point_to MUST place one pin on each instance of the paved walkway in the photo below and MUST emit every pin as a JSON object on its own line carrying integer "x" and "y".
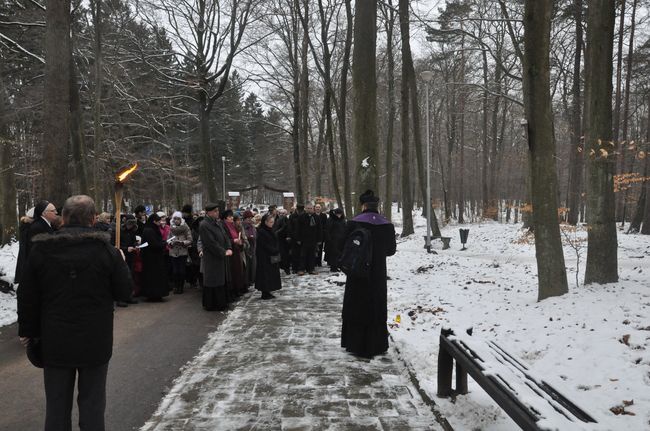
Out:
{"x": 278, "y": 365}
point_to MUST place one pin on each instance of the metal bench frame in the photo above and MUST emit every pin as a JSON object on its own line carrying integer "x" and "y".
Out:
{"x": 468, "y": 362}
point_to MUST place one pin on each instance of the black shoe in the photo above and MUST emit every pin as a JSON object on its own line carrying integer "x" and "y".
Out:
{"x": 121, "y": 304}
{"x": 267, "y": 295}
{"x": 132, "y": 301}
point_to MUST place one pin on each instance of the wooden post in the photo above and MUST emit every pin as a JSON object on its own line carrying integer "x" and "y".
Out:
{"x": 461, "y": 379}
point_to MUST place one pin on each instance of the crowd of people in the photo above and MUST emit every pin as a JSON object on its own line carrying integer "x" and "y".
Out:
{"x": 71, "y": 273}
{"x": 216, "y": 249}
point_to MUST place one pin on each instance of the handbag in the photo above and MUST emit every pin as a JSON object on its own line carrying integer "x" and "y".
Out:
{"x": 275, "y": 259}
{"x": 34, "y": 351}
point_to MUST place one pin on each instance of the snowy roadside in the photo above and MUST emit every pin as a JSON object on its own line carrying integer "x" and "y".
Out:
{"x": 8, "y": 256}
{"x": 591, "y": 343}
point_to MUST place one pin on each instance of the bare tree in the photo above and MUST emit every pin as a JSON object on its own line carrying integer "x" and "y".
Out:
{"x": 602, "y": 249}
{"x": 537, "y": 100}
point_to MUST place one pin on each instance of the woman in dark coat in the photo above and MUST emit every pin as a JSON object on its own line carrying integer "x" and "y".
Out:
{"x": 268, "y": 259}
{"x": 154, "y": 273}
{"x": 334, "y": 238}
{"x": 23, "y": 239}
{"x": 237, "y": 286}
{"x": 364, "y": 332}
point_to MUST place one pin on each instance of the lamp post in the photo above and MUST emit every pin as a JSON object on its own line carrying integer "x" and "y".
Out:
{"x": 223, "y": 181}
{"x": 427, "y": 76}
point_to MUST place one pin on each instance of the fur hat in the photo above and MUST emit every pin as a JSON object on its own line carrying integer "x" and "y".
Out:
{"x": 368, "y": 197}
{"x": 40, "y": 208}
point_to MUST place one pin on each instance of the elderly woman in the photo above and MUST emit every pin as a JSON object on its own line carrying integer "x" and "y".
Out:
{"x": 268, "y": 259}
{"x": 179, "y": 243}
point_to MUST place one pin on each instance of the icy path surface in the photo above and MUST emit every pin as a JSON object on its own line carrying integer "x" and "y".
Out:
{"x": 278, "y": 365}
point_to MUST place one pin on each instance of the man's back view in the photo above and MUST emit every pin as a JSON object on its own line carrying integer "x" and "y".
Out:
{"x": 66, "y": 299}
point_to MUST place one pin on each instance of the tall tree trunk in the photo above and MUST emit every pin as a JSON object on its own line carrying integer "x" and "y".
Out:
{"x": 484, "y": 142}
{"x": 304, "y": 105}
{"x": 407, "y": 197}
{"x": 390, "y": 26}
{"x": 364, "y": 85}
{"x": 318, "y": 183}
{"x": 408, "y": 73}
{"x": 537, "y": 102}
{"x": 77, "y": 132}
{"x": 56, "y": 104}
{"x": 207, "y": 157}
{"x": 637, "y": 219}
{"x": 342, "y": 112}
{"x": 495, "y": 151}
{"x": 8, "y": 221}
{"x": 602, "y": 250}
{"x": 623, "y": 165}
{"x": 619, "y": 96}
{"x": 645, "y": 227}
{"x": 576, "y": 143}
{"x": 295, "y": 126}
{"x": 96, "y": 8}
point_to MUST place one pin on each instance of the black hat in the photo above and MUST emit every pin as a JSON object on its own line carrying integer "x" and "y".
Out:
{"x": 227, "y": 213}
{"x": 140, "y": 209}
{"x": 40, "y": 208}
{"x": 187, "y": 209}
{"x": 211, "y": 206}
{"x": 368, "y": 197}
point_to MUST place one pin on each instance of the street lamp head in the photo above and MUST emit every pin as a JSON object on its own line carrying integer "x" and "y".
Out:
{"x": 426, "y": 75}
{"x": 223, "y": 158}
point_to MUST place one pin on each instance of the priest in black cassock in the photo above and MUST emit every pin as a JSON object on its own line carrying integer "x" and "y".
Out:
{"x": 364, "y": 331}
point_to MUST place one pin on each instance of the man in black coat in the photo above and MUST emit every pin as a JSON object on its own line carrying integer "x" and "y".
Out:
{"x": 318, "y": 210}
{"x": 364, "y": 332}
{"x": 281, "y": 228}
{"x": 66, "y": 300}
{"x": 310, "y": 233}
{"x": 292, "y": 237}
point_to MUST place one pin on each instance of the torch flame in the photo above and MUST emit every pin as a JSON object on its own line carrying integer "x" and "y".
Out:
{"x": 122, "y": 176}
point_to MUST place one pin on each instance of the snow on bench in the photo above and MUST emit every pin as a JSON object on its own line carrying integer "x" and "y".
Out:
{"x": 530, "y": 401}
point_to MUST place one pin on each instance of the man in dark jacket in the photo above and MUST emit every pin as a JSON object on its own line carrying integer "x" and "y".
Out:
{"x": 214, "y": 251}
{"x": 364, "y": 331}
{"x": 66, "y": 300}
{"x": 292, "y": 237}
{"x": 318, "y": 210}
{"x": 310, "y": 233}
{"x": 281, "y": 228}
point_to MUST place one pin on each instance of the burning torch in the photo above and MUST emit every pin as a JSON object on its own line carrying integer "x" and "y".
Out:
{"x": 120, "y": 178}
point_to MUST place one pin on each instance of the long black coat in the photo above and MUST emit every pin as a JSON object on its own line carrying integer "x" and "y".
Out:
{"x": 23, "y": 243}
{"x": 267, "y": 278}
{"x": 364, "y": 329}
{"x": 334, "y": 239}
{"x": 154, "y": 272}
{"x": 37, "y": 227}
{"x": 67, "y": 293}
{"x": 310, "y": 230}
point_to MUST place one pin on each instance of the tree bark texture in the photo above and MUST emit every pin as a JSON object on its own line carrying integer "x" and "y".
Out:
{"x": 602, "y": 250}
{"x": 56, "y": 103}
{"x": 8, "y": 221}
{"x": 576, "y": 143}
{"x": 364, "y": 83}
{"x": 389, "y": 20}
{"x": 304, "y": 106}
{"x": 537, "y": 102}
{"x": 342, "y": 112}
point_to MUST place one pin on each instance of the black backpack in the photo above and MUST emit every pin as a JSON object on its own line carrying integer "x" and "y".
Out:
{"x": 356, "y": 257}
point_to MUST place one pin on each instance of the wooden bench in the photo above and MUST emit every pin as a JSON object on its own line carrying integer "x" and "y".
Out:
{"x": 531, "y": 402}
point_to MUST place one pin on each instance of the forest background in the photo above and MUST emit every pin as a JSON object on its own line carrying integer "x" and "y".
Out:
{"x": 270, "y": 86}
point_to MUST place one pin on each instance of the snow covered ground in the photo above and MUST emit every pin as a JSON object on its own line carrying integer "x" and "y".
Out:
{"x": 8, "y": 256}
{"x": 592, "y": 344}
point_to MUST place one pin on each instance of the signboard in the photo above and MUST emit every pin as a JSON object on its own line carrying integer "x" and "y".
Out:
{"x": 234, "y": 199}
{"x": 288, "y": 200}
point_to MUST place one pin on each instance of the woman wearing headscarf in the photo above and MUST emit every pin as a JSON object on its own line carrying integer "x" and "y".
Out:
{"x": 181, "y": 240}
{"x": 268, "y": 259}
{"x": 154, "y": 275}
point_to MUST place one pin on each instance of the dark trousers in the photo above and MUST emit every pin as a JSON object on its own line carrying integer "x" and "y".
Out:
{"x": 91, "y": 400}
{"x": 308, "y": 257}
{"x": 178, "y": 268}
{"x": 319, "y": 254}
{"x": 296, "y": 264}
